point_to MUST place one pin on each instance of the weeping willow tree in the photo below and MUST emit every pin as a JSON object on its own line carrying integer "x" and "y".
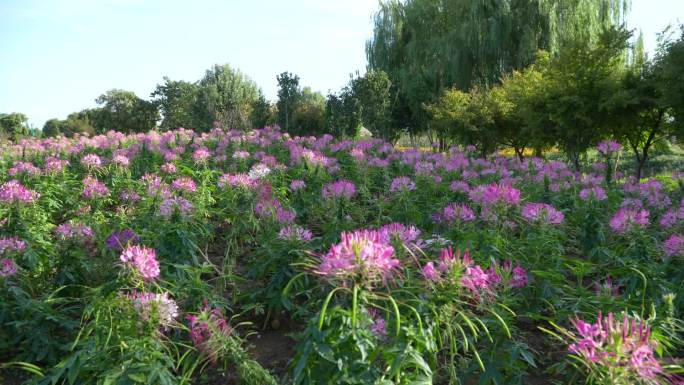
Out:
{"x": 427, "y": 46}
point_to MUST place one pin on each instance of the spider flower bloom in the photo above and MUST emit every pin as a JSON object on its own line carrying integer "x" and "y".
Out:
{"x": 173, "y": 205}
{"x": 168, "y": 168}
{"x": 160, "y": 305}
{"x": 237, "y": 180}
{"x": 405, "y": 234}
{"x": 7, "y": 267}
{"x": 460, "y": 212}
{"x": 74, "y": 231}
{"x": 23, "y": 168}
{"x": 201, "y": 155}
{"x": 93, "y": 188}
{"x": 143, "y": 259}
{"x": 339, "y": 189}
{"x": 184, "y": 184}
{"x": 14, "y": 192}
{"x": 207, "y": 330}
{"x": 627, "y": 219}
{"x": 674, "y": 245}
{"x": 361, "y": 252}
{"x": 402, "y": 184}
{"x": 476, "y": 280}
{"x": 493, "y": 194}
{"x": 542, "y": 212}
{"x": 259, "y": 171}
{"x": 297, "y": 184}
{"x": 121, "y": 161}
{"x": 11, "y": 244}
{"x": 295, "y": 233}
{"x": 91, "y": 161}
{"x": 623, "y": 346}
{"x": 429, "y": 272}
{"x": 519, "y": 278}
{"x": 608, "y": 147}
{"x": 119, "y": 240}
{"x": 593, "y": 193}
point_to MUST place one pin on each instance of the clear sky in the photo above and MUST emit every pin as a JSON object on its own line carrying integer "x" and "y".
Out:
{"x": 57, "y": 56}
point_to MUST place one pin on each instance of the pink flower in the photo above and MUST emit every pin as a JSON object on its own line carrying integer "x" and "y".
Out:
{"x": 297, "y": 184}
{"x": 674, "y": 245}
{"x": 429, "y": 272}
{"x": 627, "y": 219}
{"x": 7, "y": 267}
{"x": 460, "y": 212}
{"x": 201, "y": 155}
{"x": 14, "y": 192}
{"x": 11, "y": 244}
{"x": 608, "y": 147}
{"x": 237, "y": 180}
{"x": 339, "y": 189}
{"x": 91, "y": 161}
{"x": 184, "y": 184}
{"x": 542, "y": 212}
{"x": 168, "y": 168}
{"x": 593, "y": 193}
{"x": 493, "y": 194}
{"x": 361, "y": 252}
{"x": 143, "y": 259}
{"x": 519, "y": 278}
{"x": 295, "y": 233}
{"x": 93, "y": 188}
{"x": 402, "y": 183}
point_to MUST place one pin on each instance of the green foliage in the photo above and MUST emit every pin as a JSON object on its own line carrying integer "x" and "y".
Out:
{"x": 123, "y": 111}
{"x": 178, "y": 104}
{"x": 289, "y": 93}
{"x": 226, "y": 96}
{"x": 14, "y": 125}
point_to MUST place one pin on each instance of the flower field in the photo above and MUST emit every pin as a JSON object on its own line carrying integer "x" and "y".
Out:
{"x": 166, "y": 258}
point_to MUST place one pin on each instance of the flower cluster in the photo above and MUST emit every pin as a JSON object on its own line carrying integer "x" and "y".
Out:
{"x": 339, "y": 189}
{"x": 627, "y": 219}
{"x": 11, "y": 244}
{"x": 608, "y": 147}
{"x": 143, "y": 260}
{"x": 455, "y": 212}
{"x": 674, "y": 245}
{"x": 360, "y": 253}
{"x": 169, "y": 206}
{"x": 543, "y": 213}
{"x": 74, "y": 231}
{"x": 14, "y": 192}
{"x": 208, "y": 329}
{"x": 91, "y": 161}
{"x": 159, "y": 308}
{"x": 402, "y": 184}
{"x": 295, "y": 233}
{"x": 7, "y": 268}
{"x": 494, "y": 194}
{"x": 237, "y": 180}
{"x": 184, "y": 184}
{"x": 93, "y": 188}
{"x": 619, "y": 346}
{"x": 297, "y": 184}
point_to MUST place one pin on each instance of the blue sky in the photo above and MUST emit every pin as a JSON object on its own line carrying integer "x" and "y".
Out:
{"x": 57, "y": 56}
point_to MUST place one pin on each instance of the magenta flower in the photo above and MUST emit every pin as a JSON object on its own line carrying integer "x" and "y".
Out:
{"x": 11, "y": 244}
{"x": 519, "y": 278}
{"x": 475, "y": 279}
{"x": 542, "y": 212}
{"x": 121, "y": 161}
{"x": 7, "y": 268}
{"x": 608, "y": 147}
{"x": 93, "y": 188}
{"x": 168, "y": 168}
{"x": 143, "y": 259}
{"x": 593, "y": 193}
{"x": 460, "y": 212}
{"x": 429, "y": 272}
{"x": 297, "y": 184}
{"x": 405, "y": 234}
{"x": 402, "y": 183}
{"x": 23, "y": 168}
{"x": 295, "y": 233}
{"x": 237, "y": 180}
{"x": 14, "y": 192}
{"x": 207, "y": 330}
{"x": 201, "y": 155}
{"x": 91, "y": 161}
{"x": 184, "y": 184}
{"x": 627, "y": 219}
{"x": 674, "y": 245}
{"x": 494, "y": 194}
{"x": 173, "y": 205}
{"x": 74, "y": 231}
{"x": 361, "y": 252}
{"x": 619, "y": 346}
{"x": 339, "y": 189}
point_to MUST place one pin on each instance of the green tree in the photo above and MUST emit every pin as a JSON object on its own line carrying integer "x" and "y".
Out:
{"x": 427, "y": 46}
{"x": 580, "y": 83}
{"x": 123, "y": 111}
{"x": 309, "y": 114}
{"x": 289, "y": 95}
{"x": 178, "y": 104}
{"x": 262, "y": 112}
{"x": 372, "y": 90}
{"x": 671, "y": 64}
{"x": 13, "y": 125}
{"x": 343, "y": 113}
{"x": 54, "y": 127}
{"x": 226, "y": 96}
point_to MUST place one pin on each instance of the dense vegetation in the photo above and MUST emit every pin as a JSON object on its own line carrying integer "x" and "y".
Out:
{"x": 149, "y": 258}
